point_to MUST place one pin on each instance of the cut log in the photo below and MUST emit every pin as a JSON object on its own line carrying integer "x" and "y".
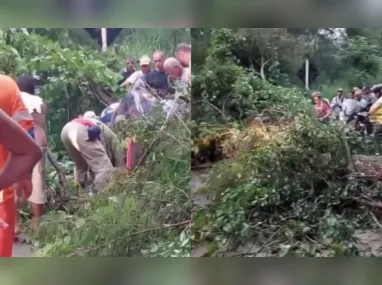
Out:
{"x": 366, "y": 166}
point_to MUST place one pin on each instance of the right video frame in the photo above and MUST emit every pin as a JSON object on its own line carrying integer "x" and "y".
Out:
{"x": 285, "y": 157}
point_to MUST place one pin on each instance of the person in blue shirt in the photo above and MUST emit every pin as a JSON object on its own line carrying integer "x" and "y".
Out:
{"x": 157, "y": 79}
{"x": 107, "y": 114}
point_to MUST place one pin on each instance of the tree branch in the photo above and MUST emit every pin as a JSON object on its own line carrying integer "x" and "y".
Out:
{"x": 213, "y": 106}
{"x": 165, "y": 226}
{"x": 60, "y": 172}
{"x": 263, "y": 63}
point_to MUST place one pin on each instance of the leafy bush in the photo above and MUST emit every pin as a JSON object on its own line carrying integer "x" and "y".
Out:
{"x": 146, "y": 213}
{"x": 363, "y": 57}
{"x": 293, "y": 191}
{"x": 229, "y": 93}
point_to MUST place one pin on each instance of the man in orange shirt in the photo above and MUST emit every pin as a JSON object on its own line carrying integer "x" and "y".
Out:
{"x": 12, "y": 105}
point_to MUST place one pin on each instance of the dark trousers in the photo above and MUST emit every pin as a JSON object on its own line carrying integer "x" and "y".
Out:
{"x": 377, "y": 132}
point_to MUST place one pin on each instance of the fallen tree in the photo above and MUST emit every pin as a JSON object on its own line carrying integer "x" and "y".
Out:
{"x": 294, "y": 193}
{"x": 290, "y": 185}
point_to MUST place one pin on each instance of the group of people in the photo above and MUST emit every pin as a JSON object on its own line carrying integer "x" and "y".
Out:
{"x": 88, "y": 139}
{"x": 95, "y": 161}
{"x": 366, "y": 100}
{"x": 160, "y": 80}
{"x": 174, "y": 68}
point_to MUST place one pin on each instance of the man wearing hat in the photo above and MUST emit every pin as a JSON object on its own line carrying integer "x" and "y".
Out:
{"x": 336, "y": 104}
{"x": 145, "y": 63}
{"x": 89, "y": 115}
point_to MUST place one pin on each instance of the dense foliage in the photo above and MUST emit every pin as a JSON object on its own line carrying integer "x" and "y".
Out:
{"x": 287, "y": 189}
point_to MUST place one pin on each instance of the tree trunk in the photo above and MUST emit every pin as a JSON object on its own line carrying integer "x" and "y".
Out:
{"x": 262, "y": 68}
{"x": 24, "y": 30}
{"x": 104, "y": 38}
{"x": 307, "y": 74}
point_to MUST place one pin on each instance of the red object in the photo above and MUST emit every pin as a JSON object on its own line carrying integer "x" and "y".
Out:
{"x": 8, "y": 215}
{"x": 84, "y": 122}
{"x": 322, "y": 108}
{"x": 129, "y": 160}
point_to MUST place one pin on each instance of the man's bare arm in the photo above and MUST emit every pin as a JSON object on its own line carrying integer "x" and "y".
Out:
{"x": 126, "y": 83}
{"x": 130, "y": 80}
{"x": 24, "y": 152}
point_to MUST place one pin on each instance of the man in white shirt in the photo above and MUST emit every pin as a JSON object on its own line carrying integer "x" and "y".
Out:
{"x": 175, "y": 71}
{"x": 145, "y": 63}
{"x": 351, "y": 106}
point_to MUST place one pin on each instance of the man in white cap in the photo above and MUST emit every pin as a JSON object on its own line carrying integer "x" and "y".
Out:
{"x": 90, "y": 115}
{"x": 145, "y": 63}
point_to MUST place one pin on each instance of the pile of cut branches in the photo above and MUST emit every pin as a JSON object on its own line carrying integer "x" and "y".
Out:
{"x": 292, "y": 196}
